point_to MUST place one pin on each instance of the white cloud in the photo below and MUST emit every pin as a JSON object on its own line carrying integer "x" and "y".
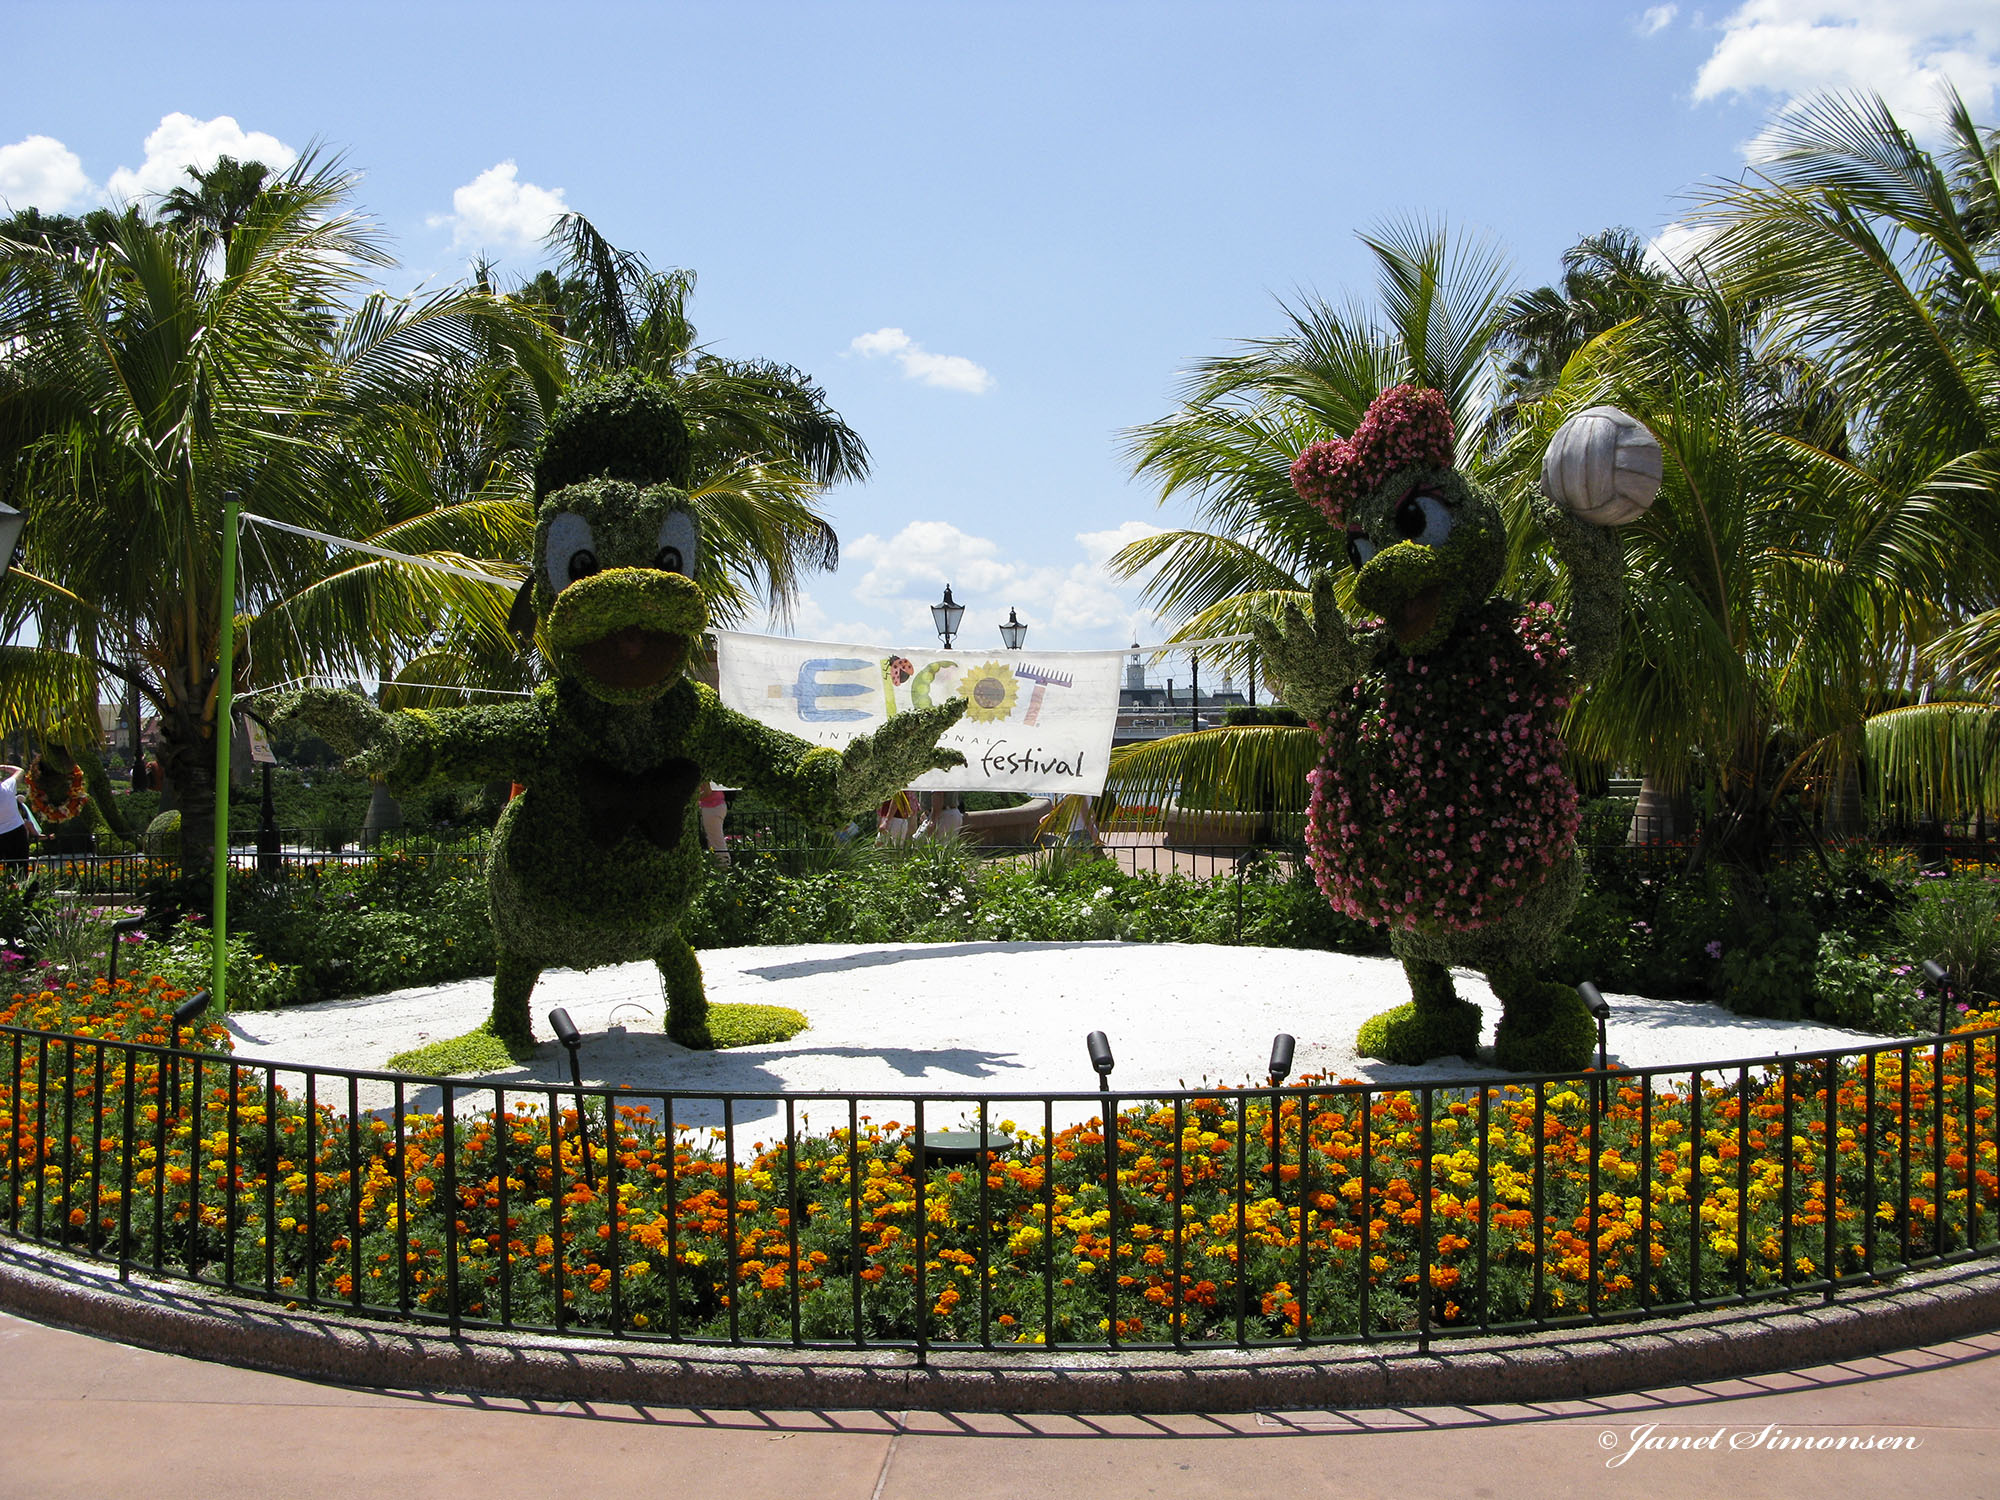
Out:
{"x": 41, "y": 172}
{"x": 1678, "y": 247}
{"x": 496, "y": 208}
{"x": 1902, "y": 51}
{"x": 1657, "y": 18}
{"x": 181, "y": 141}
{"x": 951, "y": 372}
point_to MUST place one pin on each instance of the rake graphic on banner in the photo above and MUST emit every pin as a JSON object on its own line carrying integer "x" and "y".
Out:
{"x": 1043, "y": 681}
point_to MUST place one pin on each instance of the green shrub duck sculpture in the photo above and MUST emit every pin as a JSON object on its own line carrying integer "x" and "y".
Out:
{"x": 598, "y": 857}
{"x": 1440, "y": 807}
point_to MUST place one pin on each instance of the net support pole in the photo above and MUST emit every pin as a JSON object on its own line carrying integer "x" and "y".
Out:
{"x": 225, "y": 677}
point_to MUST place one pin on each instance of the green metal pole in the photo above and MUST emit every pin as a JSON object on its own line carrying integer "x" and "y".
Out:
{"x": 225, "y": 673}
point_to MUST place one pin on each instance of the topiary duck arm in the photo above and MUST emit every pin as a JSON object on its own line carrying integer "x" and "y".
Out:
{"x": 1595, "y": 561}
{"x": 820, "y": 784}
{"x": 410, "y": 746}
{"x": 1315, "y": 658}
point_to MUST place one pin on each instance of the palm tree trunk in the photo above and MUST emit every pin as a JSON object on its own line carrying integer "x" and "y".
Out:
{"x": 384, "y": 812}
{"x": 188, "y": 760}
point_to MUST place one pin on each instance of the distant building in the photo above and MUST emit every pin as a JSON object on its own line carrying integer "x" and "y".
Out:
{"x": 1152, "y": 705}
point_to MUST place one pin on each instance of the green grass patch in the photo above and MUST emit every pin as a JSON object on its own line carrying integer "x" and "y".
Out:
{"x": 754, "y": 1025}
{"x": 478, "y": 1051}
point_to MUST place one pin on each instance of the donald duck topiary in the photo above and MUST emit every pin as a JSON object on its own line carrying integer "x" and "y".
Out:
{"x": 1440, "y": 808}
{"x": 597, "y": 860}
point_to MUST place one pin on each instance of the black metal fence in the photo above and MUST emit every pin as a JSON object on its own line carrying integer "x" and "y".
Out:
{"x": 1310, "y": 1214}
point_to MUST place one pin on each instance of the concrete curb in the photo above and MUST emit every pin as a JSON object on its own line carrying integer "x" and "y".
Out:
{"x": 1925, "y": 1308}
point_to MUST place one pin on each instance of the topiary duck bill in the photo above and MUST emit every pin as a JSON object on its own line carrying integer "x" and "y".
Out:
{"x": 599, "y": 857}
{"x": 1440, "y": 808}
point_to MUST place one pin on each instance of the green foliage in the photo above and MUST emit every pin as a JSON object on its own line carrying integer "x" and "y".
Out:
{"x": 1251, "y": 715}
{"x": 1955, "y": 919}
{"x": 623, "y": 427}
{"x": 478, "y": 1051}
{"x": 1867, "y": 991}
{"x": 163, "y": 836}
{"x": 400, "y": 919}
{"x": 185, "y": 957}
{"x": 1410, "y": 1033}
{"x": 72, "y": 936}
{"x": 742, "y": 1025}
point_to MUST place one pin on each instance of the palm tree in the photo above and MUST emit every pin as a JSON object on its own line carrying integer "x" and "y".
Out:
{"x": 221, "y": 198}
{"x": 147, "y": 378}
{"x": 1874, "y": 264}
{"x": 1606, "y": 280}
{"x": 1229, "y": 449}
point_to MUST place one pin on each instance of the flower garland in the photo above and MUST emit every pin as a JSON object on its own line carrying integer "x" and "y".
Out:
{"x": 56, "y": 812}
{"x": 1441, "y": 800}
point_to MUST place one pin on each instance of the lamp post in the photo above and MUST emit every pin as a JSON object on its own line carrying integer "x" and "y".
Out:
{"x": 945, "y": 615}
{"x": 1013, "y": 632}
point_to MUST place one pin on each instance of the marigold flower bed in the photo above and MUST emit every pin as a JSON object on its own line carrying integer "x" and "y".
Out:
{"x": 1336, "y": 1213}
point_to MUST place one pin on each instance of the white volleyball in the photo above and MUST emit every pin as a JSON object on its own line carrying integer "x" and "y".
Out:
{"x": 1603, "y": 465}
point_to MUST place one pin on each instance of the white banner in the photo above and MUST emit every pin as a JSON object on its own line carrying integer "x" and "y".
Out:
{"x": 1037, "y": 721}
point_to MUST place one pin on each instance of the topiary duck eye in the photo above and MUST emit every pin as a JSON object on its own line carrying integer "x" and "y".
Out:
{"x": 1359, "y": 549}
{"x": 669, "y": 560}
{"x": 1424, "y": 519}
{"x": 582, "y": 564}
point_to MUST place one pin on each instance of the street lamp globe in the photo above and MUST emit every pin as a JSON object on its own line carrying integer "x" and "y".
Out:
{"x": 946, "y": 614}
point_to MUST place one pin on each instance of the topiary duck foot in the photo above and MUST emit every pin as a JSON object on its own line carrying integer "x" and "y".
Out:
{"x": 1409, "y": 1034}
{"x": 480, "y": 1050}
{"x": 690, "y": 1031}
{"x": 1546, "y": 1028}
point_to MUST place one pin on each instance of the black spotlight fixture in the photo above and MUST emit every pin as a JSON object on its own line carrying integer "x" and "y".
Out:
{"x": 572, "y": 1040}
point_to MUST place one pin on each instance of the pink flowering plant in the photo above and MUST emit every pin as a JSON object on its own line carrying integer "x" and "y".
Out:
{"x": 1440, "y": 808}
{"x": 1442, "y": 798}
{"x": 1405, "y": 427}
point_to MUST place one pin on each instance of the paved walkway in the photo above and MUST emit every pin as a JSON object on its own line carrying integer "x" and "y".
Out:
{"x": 88, "y": 1418}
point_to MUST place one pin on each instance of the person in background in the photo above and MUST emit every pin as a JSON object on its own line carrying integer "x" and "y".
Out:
{"x": 13, "y": 830}
{"x": 714, "y": 809}
{"x": 894, "y": 817}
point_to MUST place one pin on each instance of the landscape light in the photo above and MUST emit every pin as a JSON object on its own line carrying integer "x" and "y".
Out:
{"x": 1281, "y": 1057}
{"x": 567, "y": 1034}
{"x": 185, "y": 1012}
{"x": 1600, "y": 1010}
{"x": 1013, "y": 632}
{"x": 1099, "y": 1047}
{"x": 118, "y": 929}
{"x": 1935, "y": 973}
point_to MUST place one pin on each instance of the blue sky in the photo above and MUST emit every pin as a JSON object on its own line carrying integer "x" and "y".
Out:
{"x": 994, "y": 232}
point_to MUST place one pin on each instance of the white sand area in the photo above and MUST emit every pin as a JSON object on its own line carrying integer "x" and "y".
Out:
{"x": 933, "y": 1018}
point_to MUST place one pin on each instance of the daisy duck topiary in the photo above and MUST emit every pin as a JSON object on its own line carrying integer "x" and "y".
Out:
{"x": 1440, "y": 807}
{"x": 598, "y": 858}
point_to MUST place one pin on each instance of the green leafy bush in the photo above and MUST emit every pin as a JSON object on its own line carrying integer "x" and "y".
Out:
{"x": 1955, "y": 919}
{"x": 185, "y": 956}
